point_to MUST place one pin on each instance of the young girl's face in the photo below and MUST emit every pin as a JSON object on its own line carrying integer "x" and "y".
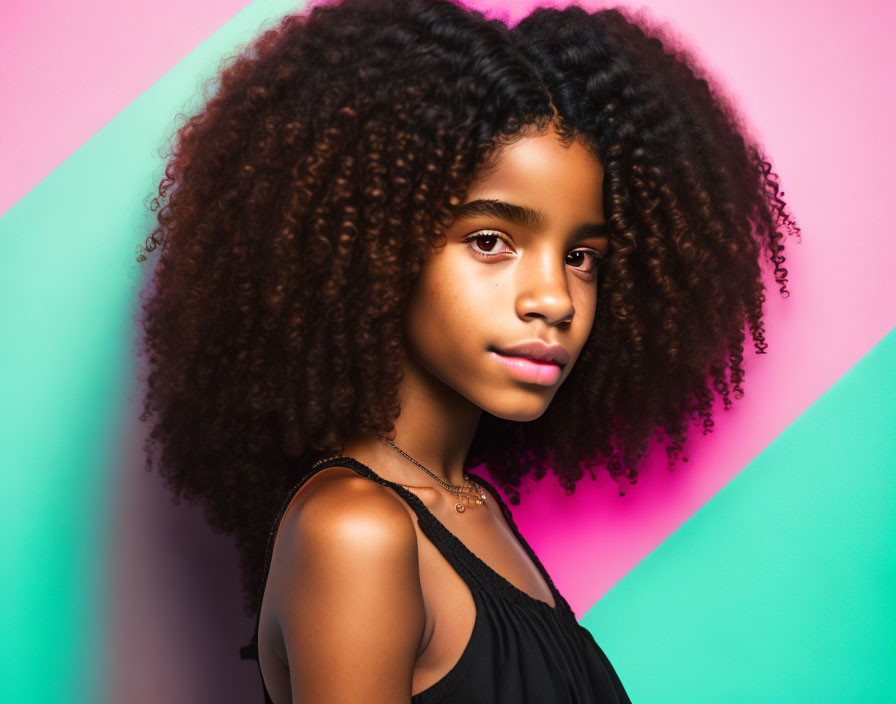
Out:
{"x": 520, "y": 265}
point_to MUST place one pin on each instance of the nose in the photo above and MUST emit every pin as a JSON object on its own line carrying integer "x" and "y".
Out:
{"x": 543, "y": 290}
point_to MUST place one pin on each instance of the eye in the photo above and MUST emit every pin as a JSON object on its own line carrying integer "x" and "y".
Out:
{"x": 489, "y": 239}
{"x": 592, "y": 259}
{"x": 486, "y": 244}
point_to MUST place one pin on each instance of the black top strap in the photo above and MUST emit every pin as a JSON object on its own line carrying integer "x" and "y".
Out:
{"x": 466, "y": 564}
{"x": 424, "y": 516}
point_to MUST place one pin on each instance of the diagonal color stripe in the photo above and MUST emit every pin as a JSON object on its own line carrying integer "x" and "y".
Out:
{"x": 68, "y": 284}
{"x": 841, "y": 276}
{"x": 782, "y": 588}
{"x": 76, "y": 65}
{"x": 68, "y": 269}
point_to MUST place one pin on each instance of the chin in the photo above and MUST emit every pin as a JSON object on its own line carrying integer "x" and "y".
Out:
{"x": 519, "y": 412}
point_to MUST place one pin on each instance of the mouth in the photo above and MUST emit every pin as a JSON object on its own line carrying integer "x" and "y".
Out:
{"x": 536, "y": 350}
{"x": 527, "y": 369}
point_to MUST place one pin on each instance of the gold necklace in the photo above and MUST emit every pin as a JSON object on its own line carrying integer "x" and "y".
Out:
{"x": 465, "y": 492}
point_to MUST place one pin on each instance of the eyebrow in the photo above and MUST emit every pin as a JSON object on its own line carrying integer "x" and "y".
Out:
{"x": 524, "y": 216}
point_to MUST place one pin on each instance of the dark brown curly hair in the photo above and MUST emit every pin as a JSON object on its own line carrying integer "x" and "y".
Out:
{"x": 298, "y": 206}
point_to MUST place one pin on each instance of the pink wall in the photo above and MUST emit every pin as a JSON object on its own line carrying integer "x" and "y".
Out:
{"x": 70, "y": 67}
{"x": 814, "y": 81}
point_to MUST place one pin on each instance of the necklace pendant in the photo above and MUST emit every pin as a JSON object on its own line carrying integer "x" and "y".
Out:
{"x": 460, "y": 507}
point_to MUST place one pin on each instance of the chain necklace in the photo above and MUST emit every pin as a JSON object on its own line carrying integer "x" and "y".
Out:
{"x": 466, "y": 492}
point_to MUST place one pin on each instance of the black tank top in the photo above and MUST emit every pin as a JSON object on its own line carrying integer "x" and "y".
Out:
{"x": 521, "y": 650}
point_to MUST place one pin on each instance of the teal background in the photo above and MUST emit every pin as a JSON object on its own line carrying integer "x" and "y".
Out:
{"x": 68, "y": 286}
{"x": 781, "y": 588}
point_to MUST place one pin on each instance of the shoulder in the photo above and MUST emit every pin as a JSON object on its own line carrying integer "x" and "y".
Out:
{"x": 344, "y": 588}
{"x": 339, "y": 506}
{"x": 338, "y": 522}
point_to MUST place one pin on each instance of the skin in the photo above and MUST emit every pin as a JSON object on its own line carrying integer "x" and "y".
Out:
{"x": 537, "y": 286}
{"x": 541, "y": 282}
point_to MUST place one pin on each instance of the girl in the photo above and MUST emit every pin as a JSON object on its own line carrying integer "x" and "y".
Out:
{"x": 400, "y": 241}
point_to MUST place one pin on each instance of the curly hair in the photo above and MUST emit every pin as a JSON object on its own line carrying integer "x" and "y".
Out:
{"x": 299, "y": 205}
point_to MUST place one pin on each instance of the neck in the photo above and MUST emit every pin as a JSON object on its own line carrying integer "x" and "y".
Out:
{"x": 435, "y": 427}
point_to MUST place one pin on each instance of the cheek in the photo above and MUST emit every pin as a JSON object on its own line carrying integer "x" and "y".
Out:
{"x": 446, "y": 318}
{"x": 438, "y": 322}
{"x": 585, "y": 303}
{"x": 589, "y": 306}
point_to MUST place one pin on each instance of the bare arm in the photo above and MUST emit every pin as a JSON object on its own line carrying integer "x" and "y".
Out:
{"x": 345, "y": 586}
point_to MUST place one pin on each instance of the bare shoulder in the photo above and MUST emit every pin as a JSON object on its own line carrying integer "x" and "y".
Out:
{"x": 338, "y": 524}
{"x": 344, "y": 589}
{"x": 339, "y": 509}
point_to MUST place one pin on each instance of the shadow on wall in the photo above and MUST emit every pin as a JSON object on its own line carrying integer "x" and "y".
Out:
{"x": 175, "y": 614}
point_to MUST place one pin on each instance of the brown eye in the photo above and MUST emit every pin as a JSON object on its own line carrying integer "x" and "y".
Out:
{"x": 592, "y": 260}
{"x": 487, "y": 242}
{"x": 484, "y": 244}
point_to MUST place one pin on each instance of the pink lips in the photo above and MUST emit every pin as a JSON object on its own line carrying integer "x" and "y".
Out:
{"x": 530, "y": 370}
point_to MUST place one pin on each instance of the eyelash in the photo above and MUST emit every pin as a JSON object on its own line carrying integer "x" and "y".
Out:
{"x": 599, "y": 259}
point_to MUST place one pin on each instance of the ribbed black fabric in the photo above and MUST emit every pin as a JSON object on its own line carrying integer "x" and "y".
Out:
{"x": 521, "y": 650}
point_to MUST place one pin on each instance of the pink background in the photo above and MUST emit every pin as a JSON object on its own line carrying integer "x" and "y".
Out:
{"x": 813, "y": 79}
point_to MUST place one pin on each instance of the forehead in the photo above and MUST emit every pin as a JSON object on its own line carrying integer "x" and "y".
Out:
{"x": 539, "y": 170}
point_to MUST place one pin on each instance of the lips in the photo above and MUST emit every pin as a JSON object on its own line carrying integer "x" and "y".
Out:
{"x": 536, "y": 350}
{"x": 529, "y": 370}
